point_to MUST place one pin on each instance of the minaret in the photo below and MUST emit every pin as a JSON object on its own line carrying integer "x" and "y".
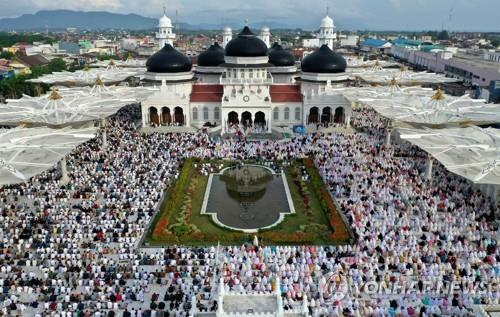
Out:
{"x": 165, "y": 34}
{"x": 227, "y": 35}
{"x": 265, "y": 35}
{"x": 327, "y": 33}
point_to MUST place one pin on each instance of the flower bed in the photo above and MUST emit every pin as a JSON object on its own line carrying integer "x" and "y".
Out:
{"x": 180, "y": 222}
{"x": 338, "y": 226}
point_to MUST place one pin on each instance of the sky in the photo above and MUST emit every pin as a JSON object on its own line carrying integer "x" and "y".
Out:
{"x": 466, "y": 15}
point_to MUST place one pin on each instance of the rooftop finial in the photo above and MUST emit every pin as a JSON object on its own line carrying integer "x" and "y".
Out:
{"x": 327, "y": 9}
{"x": 246, "y": 21}
{"x": 438, "y": 95}
{"x": 98, "y": 81}
{"x": 164, "y": 9}
{"x": 53, "y": 94}
{"x": 393, "y": 82}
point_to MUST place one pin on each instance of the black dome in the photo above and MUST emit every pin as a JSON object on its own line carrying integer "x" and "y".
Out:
{"x": 213, "y": 56}
{"x": 246, "y": 44}
{"x": 168, "y": 60}
{"x": 280, "y": 57}
{"x": 324, "y": 60}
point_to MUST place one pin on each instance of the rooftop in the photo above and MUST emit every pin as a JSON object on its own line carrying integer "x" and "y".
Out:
{"x": 477, "y": 61}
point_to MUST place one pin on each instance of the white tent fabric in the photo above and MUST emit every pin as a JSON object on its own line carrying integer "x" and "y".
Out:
{"x": 53, "y": 109}
{"x": 87, "y": 77}
{"x": 404, "y": 77}
{"x": 129, "y": 62}
{"x": 371, "y": 65}
{"x": 138, "y": 94}
{"x": 471, "y": 152}
{"x": 436, "y": 110}
{"x": 355, "y": 94}
{"x": 26, "y": 152}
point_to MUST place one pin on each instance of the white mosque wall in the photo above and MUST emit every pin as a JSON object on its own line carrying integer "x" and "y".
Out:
{"x": 170, "y": 96}
{"x": 208, "y": 78}
{"x": 337, "y": 105}
{"x": 203, "y": 112}
{"x": 286, "y": 114}
{"x": 284, "y": 78}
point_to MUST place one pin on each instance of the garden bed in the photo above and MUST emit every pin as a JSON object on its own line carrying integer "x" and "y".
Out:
{"x": 315, "y": 221}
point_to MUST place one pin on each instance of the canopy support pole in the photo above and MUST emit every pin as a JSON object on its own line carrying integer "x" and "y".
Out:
{"x": 428, "y": 168}
{"x": 104, "y": 136}
{"x": 64, "y": 172}
{"x": 104, "y": 139}
{"x": 492, "y": 192}
{"x": 388, "y": 137}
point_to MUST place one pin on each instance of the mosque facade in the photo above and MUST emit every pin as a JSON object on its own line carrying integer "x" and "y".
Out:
{"x": 245, "y": 84}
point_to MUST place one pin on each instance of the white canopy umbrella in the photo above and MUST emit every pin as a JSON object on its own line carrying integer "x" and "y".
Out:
{"x": 438, "y": 109}
{"x": 53, "y": 109}
{"x": 356, "y": 94}
{"x": 471, "y": 152}
{"x": 87, "y": 77}
{"x": 138, "y": 94}
{"x": 113, "y": 64}
{"x": 403, "y": 76}
{"x": 370, "y": 65}
{"x": 26, "y": 152}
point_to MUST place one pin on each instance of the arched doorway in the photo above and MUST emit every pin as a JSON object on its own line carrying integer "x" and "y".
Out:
{"x": 232, "y": 118}
{"x": 178, "y": 116}
{"x": 260, "y": 121}
{"x": 326, "y": 115}
{"x": 339, "y": 115}
{"x": 246, "y": 119}
{"x": 313, "y": 115}
{"x": 154, "y": 119}
{"x": 166, "y": 117}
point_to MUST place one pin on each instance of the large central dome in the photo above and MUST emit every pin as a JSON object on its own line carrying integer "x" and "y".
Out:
{"x": 168, "y": 60}
{"x": 246, "y": 44}
{"x": 324, "y": 60}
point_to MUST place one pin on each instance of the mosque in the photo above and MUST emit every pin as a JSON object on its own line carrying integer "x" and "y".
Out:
{"x": 245, "y": 83}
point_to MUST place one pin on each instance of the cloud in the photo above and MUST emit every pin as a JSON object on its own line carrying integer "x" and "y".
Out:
{"x": 373, "y": 14}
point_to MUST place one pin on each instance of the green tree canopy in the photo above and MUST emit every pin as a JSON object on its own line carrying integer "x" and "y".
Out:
{"x": 443, "y": 35}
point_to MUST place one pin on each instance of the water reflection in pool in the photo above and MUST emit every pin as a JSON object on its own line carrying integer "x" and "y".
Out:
{"x": 247, "y": 197}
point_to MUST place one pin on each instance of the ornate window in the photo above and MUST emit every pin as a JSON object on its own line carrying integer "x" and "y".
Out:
{"x": 195, "y": 114}
{"x": 216, "y": 113}
{"x": 205, "y": 113}
{"x": 276, "y": 114}
{"x": 297, "y": 114}
{"x": 287, "y": 113}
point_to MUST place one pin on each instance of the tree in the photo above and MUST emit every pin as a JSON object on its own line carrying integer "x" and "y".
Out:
{"x": 105, "y": 57}
{"x": 56, "y": 65}
{"x": 16, "y": 86}
{"x": 495, "y": 42}
{"x": 443, "y": 36}
{"x": 6, "y": 55}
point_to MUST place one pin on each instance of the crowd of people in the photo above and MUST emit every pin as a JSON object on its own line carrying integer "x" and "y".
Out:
{"x": 75, "y": 249}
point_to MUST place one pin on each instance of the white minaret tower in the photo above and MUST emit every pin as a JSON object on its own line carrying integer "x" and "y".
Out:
{"x": 265, "y": 35}
{"x": 165, "y": 34}
{"x": 327, "y": 33}
{"x": 227, "y": 35}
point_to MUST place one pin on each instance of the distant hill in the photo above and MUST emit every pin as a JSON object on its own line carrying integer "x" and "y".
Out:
{"x": 100, "y": 20}
{"x": 57, "y": 20}
{"x": 62, "y": 19}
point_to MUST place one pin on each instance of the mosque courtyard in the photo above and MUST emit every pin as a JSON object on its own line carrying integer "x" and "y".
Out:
{"x": 229, "y": 202}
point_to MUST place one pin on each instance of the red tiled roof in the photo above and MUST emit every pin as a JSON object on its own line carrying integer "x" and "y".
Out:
{"x": 207, "y": 93}
{"x": 285, "y": 93}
